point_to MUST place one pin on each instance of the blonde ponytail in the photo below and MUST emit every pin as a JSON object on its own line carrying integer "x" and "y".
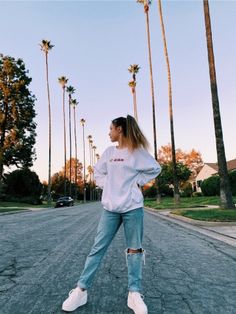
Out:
{"x": 135, "y": 136}
{"x": 131, "y": 131}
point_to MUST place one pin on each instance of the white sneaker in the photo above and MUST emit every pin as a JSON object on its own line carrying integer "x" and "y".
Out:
{"x": 136, "y": 303}
{"x": 76, "y": 298}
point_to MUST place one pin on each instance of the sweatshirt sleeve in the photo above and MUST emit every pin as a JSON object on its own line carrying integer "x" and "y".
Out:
{"x": 100, "y": 170}
{"x": 147, "y": 167}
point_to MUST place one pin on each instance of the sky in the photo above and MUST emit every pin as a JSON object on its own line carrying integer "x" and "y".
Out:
{"x": 94, "y": 44}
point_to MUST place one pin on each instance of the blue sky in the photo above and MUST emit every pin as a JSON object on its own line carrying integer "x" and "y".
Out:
{"x": 96, "y": 41}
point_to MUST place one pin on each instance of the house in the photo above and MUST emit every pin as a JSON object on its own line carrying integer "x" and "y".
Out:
{"x": 208, "y": 170}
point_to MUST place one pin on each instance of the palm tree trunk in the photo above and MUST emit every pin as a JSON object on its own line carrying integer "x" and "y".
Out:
{"x": 75, "y": 135}
{"x": 175, "y": 179}
{"x": 2, "y": 141}
{"x": 153, "y": 99}
{"x": 70, "y": 142}
{"x": 225, "y": 191}
{"x": 84, "y": 166}
{"x": 49, "y": 134}
{"x": 152, "y": 86}
{"x": 90, "y": 173}
{"x": 135, "y": 104}
{"x": 64, "y": 123}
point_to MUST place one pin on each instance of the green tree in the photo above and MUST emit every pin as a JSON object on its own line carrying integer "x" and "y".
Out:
{"x": 46, "y": 46}
{"x": 225, "y": 191}
{"x": 57, "y": 178}
{"x": 17, "y": 113}
{"x": 58, "y": 182}
{"x": 166, "y": 177}
{"x": 63, "y": 81}
{"x": 172, "y": 135}
{"x": 23, "y": 183}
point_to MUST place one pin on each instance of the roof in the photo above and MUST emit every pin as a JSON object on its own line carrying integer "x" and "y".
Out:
{"x": 231, "y": 165}
{"x": 212, "y": 165}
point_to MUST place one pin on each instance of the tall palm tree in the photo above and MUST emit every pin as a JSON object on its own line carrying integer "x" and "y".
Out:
{"x": 175, "y": 179}
{"x": 82, "y": 121}
{"x": 94, "y": 161}
{"x": 74, "y": 103}
{"x": 146, "y": 4}
{"x": 70, "y": 90}
{"x": 45, "y": 47}
{"x": 225, "y": 191}
{"x": 90, "y": 141}
{"x": 63, "y": 81}
{"x": 133, "y": 69}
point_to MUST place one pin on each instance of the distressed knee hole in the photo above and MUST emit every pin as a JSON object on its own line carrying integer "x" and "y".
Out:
{"x": 134, "y": 251}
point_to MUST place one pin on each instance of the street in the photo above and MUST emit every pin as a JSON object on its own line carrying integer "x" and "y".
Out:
{"x": 43, "y": 252}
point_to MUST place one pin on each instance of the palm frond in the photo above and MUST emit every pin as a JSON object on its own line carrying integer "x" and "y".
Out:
{"x": 46, "y": 45}
{"x": 74, "y": 103}
{"x": 63, "y": 81}
{"x": 70, "y": 90}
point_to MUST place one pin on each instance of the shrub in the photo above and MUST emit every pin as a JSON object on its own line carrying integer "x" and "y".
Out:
{"x": 23, "y": 185}
{"x": 150, "y": 192}
{"x": 211, "y": 186}
{"x": 232, "y": 179}
{"x": 186, "y": 190}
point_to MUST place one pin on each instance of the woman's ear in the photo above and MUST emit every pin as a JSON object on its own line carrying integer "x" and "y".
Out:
{"x": 119, "y": 129}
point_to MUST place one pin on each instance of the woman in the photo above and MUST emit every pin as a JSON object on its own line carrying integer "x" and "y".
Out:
{"x": 120, "y": 172}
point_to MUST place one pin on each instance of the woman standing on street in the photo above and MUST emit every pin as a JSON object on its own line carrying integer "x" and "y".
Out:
{"x": 120, "y": 172}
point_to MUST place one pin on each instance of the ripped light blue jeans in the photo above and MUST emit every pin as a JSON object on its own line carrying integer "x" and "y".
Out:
{"x": 108, "y": 226}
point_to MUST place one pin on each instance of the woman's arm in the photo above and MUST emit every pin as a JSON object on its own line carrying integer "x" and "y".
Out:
{"x": 146, "y": 166}
{"x": 100, "y": 170}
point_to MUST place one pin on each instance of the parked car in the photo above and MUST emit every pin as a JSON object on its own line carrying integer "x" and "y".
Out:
{"x": 65, "y": 201}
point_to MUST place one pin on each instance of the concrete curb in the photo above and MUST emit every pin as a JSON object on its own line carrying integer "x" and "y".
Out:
{"x": 192, "y": 221}
{"x": 215, "y": 232}
{"x": 201, "y": 222}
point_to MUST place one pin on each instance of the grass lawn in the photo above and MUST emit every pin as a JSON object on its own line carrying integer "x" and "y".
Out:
{"x": 223, "y": 215}
{"x": 13, "y": 206}
{"x": 185, "y": 202}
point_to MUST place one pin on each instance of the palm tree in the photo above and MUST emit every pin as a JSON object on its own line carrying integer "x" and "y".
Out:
{"x": 94, "y": 161}
{"x": 74, "y": 103}
{"x": 70, "y": 90}
{"x": 63, "y": 81}
{"x": 175, "y": 179}
{"x": 225, "y": 191}
{"x": 90, "y": 141}
{"x": 133, "y": 69}
{"x": 45, "y": 47}
{"x": 146, "y": 4}
{"x": 82, "y": 121}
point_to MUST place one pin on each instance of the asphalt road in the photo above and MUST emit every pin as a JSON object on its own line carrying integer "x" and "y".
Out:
{"x": 42, "y": 254}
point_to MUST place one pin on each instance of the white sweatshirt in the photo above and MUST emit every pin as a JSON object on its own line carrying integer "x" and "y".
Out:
{"x": 119, "y": 172}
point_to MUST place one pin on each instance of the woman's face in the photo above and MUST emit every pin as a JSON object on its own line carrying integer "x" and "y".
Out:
{"x": 115, "y": 132}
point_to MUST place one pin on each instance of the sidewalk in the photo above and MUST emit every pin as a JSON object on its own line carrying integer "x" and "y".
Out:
{"x": 222, "y": 231}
